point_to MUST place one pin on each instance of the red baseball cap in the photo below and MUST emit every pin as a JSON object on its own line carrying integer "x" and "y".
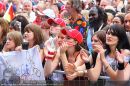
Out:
{"x": 73, "y": 33}
{"x": 58, "y": 21}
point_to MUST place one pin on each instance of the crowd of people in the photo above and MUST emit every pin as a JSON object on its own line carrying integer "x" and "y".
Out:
{"x": 84, "y": 38}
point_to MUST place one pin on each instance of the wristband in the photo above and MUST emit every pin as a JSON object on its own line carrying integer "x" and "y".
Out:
{"x": 106, "y": 67}
{"x": 87, "y": 64}
{"x": 120, "y": 66}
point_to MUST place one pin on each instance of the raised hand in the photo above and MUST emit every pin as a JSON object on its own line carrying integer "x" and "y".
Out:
{"x": 99, "y": 48}
{"x": 63, "y": 47}
{"x": 72, "y": 76}
{"x": 18, "y": 48}
{"x": 70, "y": 69}
{"x": 119, "y": 56}
{"x": 125, "y": 52}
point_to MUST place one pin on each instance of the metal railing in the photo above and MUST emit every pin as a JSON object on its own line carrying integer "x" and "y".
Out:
{"x": 100, "y": 77}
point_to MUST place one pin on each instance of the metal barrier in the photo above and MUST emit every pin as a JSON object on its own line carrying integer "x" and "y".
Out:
{"x": 100, "y": 77}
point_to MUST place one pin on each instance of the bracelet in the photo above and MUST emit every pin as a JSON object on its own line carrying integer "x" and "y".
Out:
{"x": 106, "y": 67}
{"x": 120, "y": 66}
{"x": 87, "y": 65}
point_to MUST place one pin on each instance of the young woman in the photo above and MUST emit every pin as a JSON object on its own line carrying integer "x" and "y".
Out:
{"x": 70, "y": 51}
{"x": 13, "y": 40}
{"x": 98, "y": 43}
{"x": 33, "y": 36}
{"x": 117, "y": 48}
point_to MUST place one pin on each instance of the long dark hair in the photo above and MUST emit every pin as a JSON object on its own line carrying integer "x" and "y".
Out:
{"x": 119, "y": 31}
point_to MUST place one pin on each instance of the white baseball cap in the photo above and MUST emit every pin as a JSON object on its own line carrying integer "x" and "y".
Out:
{"x": 48, "y": 12}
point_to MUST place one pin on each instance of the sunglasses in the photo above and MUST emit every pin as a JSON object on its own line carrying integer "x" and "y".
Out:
{"x": 111, "y": 33}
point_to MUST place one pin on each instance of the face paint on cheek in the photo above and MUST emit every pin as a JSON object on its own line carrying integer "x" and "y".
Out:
{"x": 70, "y": 43}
